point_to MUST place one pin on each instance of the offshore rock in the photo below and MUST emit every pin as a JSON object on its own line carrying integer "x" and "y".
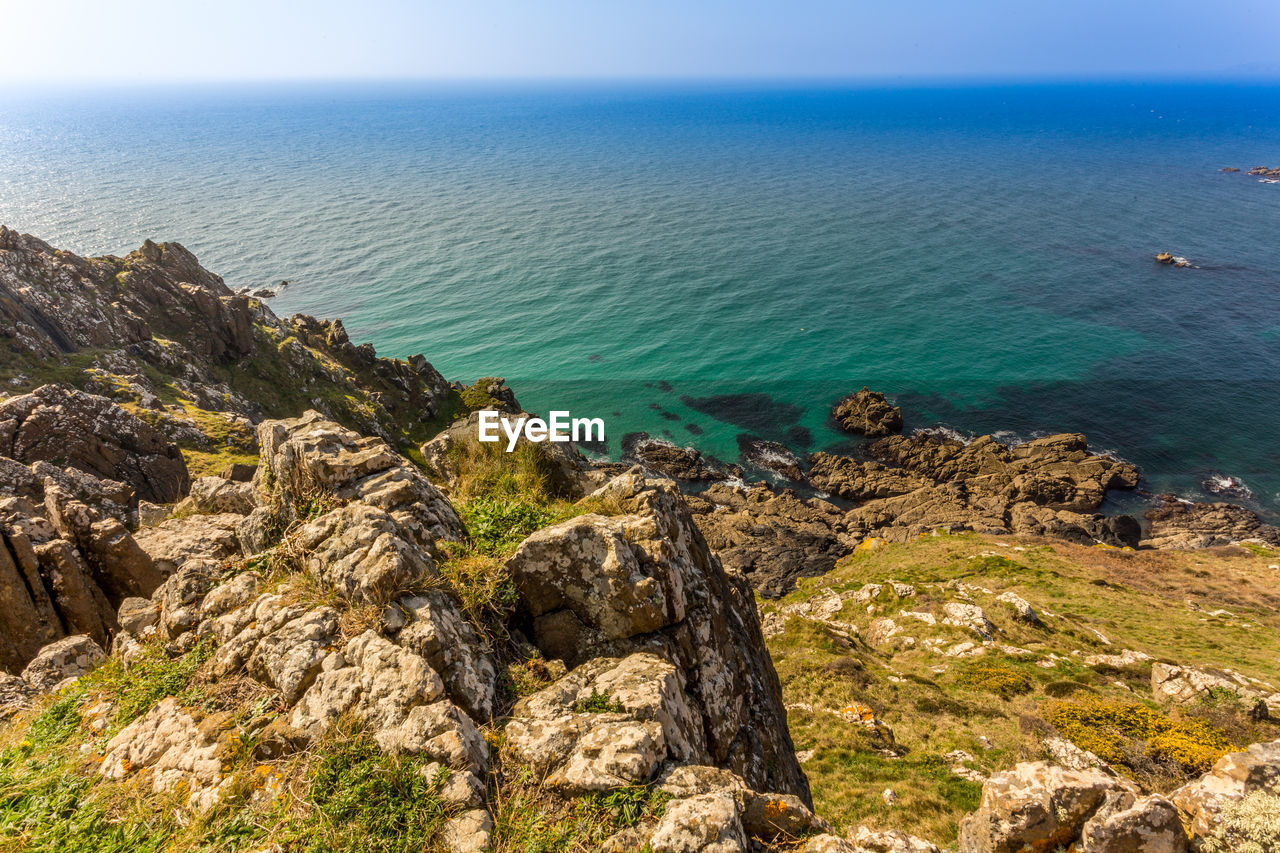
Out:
{"x": 770, "y": 456}
{"x": 868, "y": 413}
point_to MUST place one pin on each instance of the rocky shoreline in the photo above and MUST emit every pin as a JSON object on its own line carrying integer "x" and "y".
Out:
{"x": 185, "y": 476}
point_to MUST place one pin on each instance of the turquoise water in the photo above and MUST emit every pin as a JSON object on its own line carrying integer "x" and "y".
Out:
{"x": 981, "y": 254}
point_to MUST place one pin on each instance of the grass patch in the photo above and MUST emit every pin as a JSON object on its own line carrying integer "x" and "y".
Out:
{"x": 931, "y": 799}
{"x": 598, "y": 703}
{"x": 366, "y": 801}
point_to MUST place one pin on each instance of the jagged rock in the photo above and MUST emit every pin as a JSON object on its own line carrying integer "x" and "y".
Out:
{"x": 289, "y": 658}
{"x": 360, "y": 551}
{"x": 178, "y": 749}
{"x": 235, "y": 593}
{"x": 92, "y": 434}
{"x": 136, "y": 615}
{"x": 29, "y": 613}
{"x": 309, "y": 457}
{"x": 375, "y": 679}
{"x": 771, "y": 537}
{"x": 827, "y": 843}
{"x": 856, "y": 480}
{"x": 770, "y": 816}
{"x": 1128, "y": 824}
{"x": 969, "y": 616}
{"x": 119, "y": 565}
{"x": 688, "y": 780}
{"x": 78, "y": 602}
{"x": 1067, "y": 754}
{"x": 1021, "y": 607}
{"x": 1056, "y": 471}
{"x": 442, "y": 731}
{"x": 180, "y": 597}
{"x": 646, "y": 581}
{"x": 1200, "y": 803}
{"x": 435, "y": 628}
{"x": 644, "y": 717}
{"x": 1181, "y": 525}
{"x": 16, "y": 694}
{"x": 1183, "y": 684}
{"x": 215, "y": 495}
{"x": 707, "y": 823}
{"x": 669, "y": 460}
{"x": 868, "y": 413}
{"x": 238, "y": 472}
{"x": 149, "y": 514}
{"x": 66, "y": 659}
{"x": 1119, "y": 531}
{"x": 460, "y": 788}
{"x": 203, "y": 537}
{"x": 1037, "y": 806}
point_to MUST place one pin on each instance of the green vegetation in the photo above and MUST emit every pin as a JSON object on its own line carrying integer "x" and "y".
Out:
{"x": 999, "y": 702}
{"x": 528, "y": 818}
{"x": 346, "y": 795}
{"x": 1135, "y": 736}
{"x": 366, "y": 800}
{"x": 598, "y": 703}
{"x": 498, "y": 525}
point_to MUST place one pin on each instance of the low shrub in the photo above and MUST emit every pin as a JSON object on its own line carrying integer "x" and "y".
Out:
{"x": 1001, "y": 679}
{"x": 1126, "y": 732}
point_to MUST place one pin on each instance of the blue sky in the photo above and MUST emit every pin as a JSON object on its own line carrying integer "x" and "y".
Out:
{"x": 150, "y": 41}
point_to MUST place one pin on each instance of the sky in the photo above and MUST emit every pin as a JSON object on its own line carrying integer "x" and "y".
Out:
{"x": 174, "y": 41}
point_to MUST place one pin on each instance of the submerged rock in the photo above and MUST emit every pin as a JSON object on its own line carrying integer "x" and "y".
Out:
{"x": 770, "y": 456}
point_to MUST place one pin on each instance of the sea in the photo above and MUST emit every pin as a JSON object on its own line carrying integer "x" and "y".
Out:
{"x": 700, "y": 261}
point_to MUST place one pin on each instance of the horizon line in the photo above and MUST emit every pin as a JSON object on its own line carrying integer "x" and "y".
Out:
{"x": 787, "y": 80}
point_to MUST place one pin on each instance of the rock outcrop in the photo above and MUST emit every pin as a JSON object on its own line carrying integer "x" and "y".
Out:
{"x": 666, "y": 677}
{"x": 678, "y": 463}
{"x": 1231, "y": 779}
{"x": 92, "y": 434}
{"x": 155, "y": 326}
{"x": 1182, "y": 525}
{"x": 1040, "y": 806}
{"x": 67, "y": 558}
{"x": 867, "y": 412}
{"x": 771, "y": 537}
{"x": 1050, "y": 486}
{"x": 646, "y": 581}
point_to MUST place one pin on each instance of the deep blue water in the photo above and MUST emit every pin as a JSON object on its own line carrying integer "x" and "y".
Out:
{"x": 982, "y": 254}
